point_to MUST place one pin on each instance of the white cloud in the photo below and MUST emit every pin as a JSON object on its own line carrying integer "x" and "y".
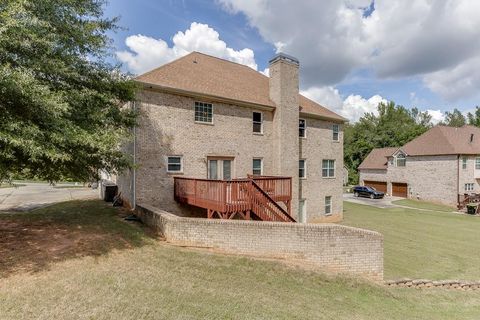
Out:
{"x": 437, "y": 116}
{"x": 353, "y": 107}
{"x": 146, "y": 53}
{"x": 435, "y": 40}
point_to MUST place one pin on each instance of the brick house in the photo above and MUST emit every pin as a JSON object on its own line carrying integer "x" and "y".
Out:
{"x": 213, "y": 135}
{"x": 442, "y": 165}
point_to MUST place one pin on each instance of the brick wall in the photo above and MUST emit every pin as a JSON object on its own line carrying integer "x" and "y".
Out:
{"x": 333, "y": 247}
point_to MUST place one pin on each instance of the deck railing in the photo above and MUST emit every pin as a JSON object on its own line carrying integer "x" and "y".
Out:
{"x": 239, "y": 195}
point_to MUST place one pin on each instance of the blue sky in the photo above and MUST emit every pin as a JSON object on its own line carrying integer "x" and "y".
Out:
{"x": 400, "y": 70}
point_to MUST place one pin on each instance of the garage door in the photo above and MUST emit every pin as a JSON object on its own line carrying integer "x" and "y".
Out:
{"x": 399, "y": 189}
{"x": 378, "y": 185}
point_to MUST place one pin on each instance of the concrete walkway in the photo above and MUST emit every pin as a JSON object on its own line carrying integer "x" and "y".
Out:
{"x": 386, "y": 202}
{"x": 35, "y": 195}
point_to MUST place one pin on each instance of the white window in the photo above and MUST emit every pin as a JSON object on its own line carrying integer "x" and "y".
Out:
{"x": 468, "y": 186}
{"x": 220, "y": 168}
{"x": 400, "y": 160}
{"x": 174, "y": 164}
{"x": 477, "y": 163}
{"x": 203, "y": 112}
{"x": 464, "y": 162}
{"x": 328, "y": 205}
{"x": 335, "y": 130}
{"x": 257, "y": 166}
{"x": 302, "y": 211}
{"x": 302, "y": 128}
{"x": 257, "y": 122}
{"x": 302, "y": 168}
{"x": 328, "y": 168}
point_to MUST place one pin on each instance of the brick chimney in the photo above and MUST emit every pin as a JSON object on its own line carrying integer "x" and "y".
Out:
{"x": 284, "y": 93}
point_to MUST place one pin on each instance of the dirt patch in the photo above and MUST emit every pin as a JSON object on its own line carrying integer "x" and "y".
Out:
{"x": 30, "y": 242}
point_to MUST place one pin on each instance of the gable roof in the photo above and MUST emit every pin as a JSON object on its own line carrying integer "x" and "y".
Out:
{"x": 443, "y": 140}
{"x": 377, "y": 158}
{"x": 203, "y": 74}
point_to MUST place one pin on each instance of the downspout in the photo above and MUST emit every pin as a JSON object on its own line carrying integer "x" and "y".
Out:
{"x": 458, "y": 180}
{"x": 134, "y": 200}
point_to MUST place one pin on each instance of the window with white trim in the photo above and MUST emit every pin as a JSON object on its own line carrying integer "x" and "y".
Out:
{"x": 302, "y": 168}
{"x": 174, "y": 164}
{"x": 328, "y": 205}
{"x": 335, "y": 132}
{"x": 257, "y": 166}
{"x": 477, "y": 163}
{"x": 469, "y": 186}
{"x": 400, "y": 160}
{"x": 464, "y": 162}
{"x": 203, "y": 112}
{"x": 302, "y": 128}
{"x": 257, "y": 122}
{"x": 328, "y": 168}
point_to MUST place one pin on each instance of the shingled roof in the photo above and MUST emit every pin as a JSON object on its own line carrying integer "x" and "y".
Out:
{"x": 377, "y": 158}
{"x": 202, "y": 74}
{"x": 439, "y": 140}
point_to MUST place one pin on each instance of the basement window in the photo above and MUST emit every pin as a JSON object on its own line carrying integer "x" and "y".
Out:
{"x": 328, "y": 205}
{"x": 302, "y": 128}
{"x": 257, "y": 122}
{"x": 174, "y": 164}
{"x": 469, "y": 186}
{"x": 203, "y": 112}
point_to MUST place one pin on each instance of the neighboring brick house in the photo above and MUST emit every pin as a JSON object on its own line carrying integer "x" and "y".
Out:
{"x": 441, "y": 165}
{"x": 206, "y": 118}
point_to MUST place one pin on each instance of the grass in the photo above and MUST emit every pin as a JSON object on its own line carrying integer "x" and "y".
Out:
{"x": 424, "y": 205}
{"x": 134, "y": 276}
{"x": 422, "y": 244}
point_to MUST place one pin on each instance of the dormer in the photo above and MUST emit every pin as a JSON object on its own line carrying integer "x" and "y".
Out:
{"x": 399, "y": 158}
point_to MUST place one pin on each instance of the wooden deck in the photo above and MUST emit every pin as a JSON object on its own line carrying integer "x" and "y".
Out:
{"x": 243, "y": 197}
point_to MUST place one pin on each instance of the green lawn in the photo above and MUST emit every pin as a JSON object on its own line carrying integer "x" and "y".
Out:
{"x": 96, "y": 266}
{"x": 424, "y": 205}
{"x": 422, "y": 244}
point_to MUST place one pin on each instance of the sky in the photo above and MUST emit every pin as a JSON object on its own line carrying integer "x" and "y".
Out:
{"x": 353, "y": 53}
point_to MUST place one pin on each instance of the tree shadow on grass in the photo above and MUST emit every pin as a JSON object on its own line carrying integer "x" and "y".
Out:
{"x": 31, "y": 241}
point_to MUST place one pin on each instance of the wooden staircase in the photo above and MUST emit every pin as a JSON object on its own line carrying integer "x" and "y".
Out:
{"x": 244, "y": 198}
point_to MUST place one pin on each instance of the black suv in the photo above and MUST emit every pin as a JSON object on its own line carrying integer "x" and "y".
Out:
{"x": 370, "y": 192}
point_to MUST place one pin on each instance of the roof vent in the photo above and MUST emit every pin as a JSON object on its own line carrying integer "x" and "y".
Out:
{"x": 471, "y": 138}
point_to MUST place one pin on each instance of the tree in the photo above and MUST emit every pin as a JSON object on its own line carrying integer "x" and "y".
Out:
{"x": 60, "y": 101}
{"x": 454, "y": 119}
{"x": 392, "y": 127}
{"x": 474, "y": 118}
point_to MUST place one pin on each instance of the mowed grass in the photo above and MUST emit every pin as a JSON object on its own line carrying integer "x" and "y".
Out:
{"x": 145, "y": 278}
{"x": 424, "y": 205}
{"x": 422, "y": 244}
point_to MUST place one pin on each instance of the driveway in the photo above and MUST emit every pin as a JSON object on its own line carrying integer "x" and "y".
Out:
{"x": 35, "y": 195}
{"x": 386, "y": 202}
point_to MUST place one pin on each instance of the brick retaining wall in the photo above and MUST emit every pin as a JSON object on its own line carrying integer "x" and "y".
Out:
{"x": 333, "y": 247}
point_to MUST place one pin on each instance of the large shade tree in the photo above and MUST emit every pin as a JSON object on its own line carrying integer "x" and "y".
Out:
{"x": 60, "y": 101}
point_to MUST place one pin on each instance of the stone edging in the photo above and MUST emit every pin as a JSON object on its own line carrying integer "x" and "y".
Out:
{"x": 443, "y": 284}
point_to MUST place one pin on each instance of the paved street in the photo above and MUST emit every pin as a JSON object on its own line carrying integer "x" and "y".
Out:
{"x": 34, "y": 195}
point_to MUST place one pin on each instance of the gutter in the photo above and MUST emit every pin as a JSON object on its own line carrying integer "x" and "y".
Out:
{"x": 134, "y": 200}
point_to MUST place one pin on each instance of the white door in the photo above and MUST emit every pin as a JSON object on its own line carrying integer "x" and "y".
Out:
{"x": 302, "y": 211}
{"x": 220, "y": 169}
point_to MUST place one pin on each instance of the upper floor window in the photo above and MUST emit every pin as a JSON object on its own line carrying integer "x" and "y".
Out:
{"x": 328, "y": 168}
{"x": 464, "y": 162}
{"x": 302, "y": 128}
{"x": 335, "y": 132}
{"x": 477, "y": 163}
{"x": 203, "y": 112}
{"x": 257, "y": 122}
{"x": 468, "y": 186}
{"x": 257, "y": 166}
{"x": 400, "y": 160}
{"x": 174, "y": 164}
{"x": 302, "y": 168}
